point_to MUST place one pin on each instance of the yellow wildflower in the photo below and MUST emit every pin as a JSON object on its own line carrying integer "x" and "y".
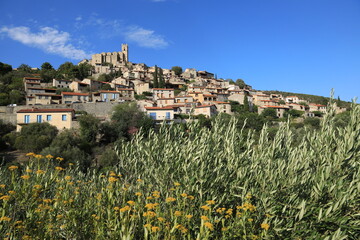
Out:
{"x": 150, "y": 206}
{"x": 149, "y": 214}
{"x": 155, "y": 229}
{"x": 178, "y": 213}
{"x": 205, "y": 207}
{"x": 113, "y": 174}
{"x": 60, "y": 159}
{"x": 210, "y": 202}
{"x": 172, "y": 189}
{"x": 70, "y": 164}
{"x": 248, "y": 196}
{"x": 49, "y": 156}
{"x": 116, "y": 208}
{"x": 224, "y": 229}
{"x": 5, "y": 198}
{"x": 68, "y": 178}
{"x": 139, "y": 180}
{"x": 209, "y": 225}
{"x": 220, "y": 210}
{"x": 2, "y": 185}
{"x": 183, "y": 195}
{"x": 11, "y": 192}
{"x": 188, "y": 216}
{"x": 177, "y": 184}
{"x": 205, "y": 218}
{"x": 28, "y": 170}
{"x": 40, "y": 171}
{"x": 250, "y": 219}
{"x": 149, "y": 198}
{"x": 37, "y": 186}
{"x": 5, "y": 219}
{"x": 59, "y": 168}
{"x": 191, "y": 197}
{"x": 25, "y": 177}
{"x": 38, "y": 156}
{"x": 112, "y": 179}
{"x": 132, "y": 203}
{"x": 138, "y": 194}
{"x": 161, "y": 219}
{"x": 170, "y": 199}
{"x": 30, "y": 154}
{"x": 13, "y": 167}
{"x": 126, "y": 208}
{"x": 265, "y": 226}
{"x": 148, "y": 225}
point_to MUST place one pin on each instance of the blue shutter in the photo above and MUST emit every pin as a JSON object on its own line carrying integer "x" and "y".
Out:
{"x": 27, "y": 119}
{"x": 48, "y": 117}
{"x": 153, "y": 116}
{"x": 63, "y": 117}
{"x": 167, "y": 115}
{"x": 39, "y": 118}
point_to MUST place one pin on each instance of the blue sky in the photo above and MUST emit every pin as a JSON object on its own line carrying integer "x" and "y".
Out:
{"x": 303, "y": 46}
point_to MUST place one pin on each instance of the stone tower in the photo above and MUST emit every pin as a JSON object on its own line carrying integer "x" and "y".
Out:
{"x": 125, "y": 51}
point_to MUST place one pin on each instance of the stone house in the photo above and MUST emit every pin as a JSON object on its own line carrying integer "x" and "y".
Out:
{"x": 73, "y": 97}
{"x": 280, "y": 110}
{"x": 60, "y": 118}
{"x": 61, "y": 83}
{"x": 162, "y": 113}
{"x": 207, "y": 110}
{"x": 77, "y": 86}
{"x": 163, "y": 93}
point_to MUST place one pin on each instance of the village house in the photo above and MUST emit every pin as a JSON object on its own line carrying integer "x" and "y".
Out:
{"x": 140, "y": 86}
{"x": 163, "y": 93}
{"x": 292, "y": 99}
{"x": 46, "y": 98}
{"x": 126, "y": 93}
{"x": 317, "y": 107}
{"x": 61, "y": 83}
{"x": 60, "y": 118}
{"x": 223, "y": 107}
{"x": 280, "y": 110}
{"x": 77, "y": 86}
{"x": 162, "y": 113}
{"x": 105, "y": 96}
{"x": 73, "y": 97}
{"x": 207, "y": 110}
{"x": 161, "y": 102}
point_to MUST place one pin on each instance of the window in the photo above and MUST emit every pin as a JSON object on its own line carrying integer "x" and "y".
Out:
{"x": 153, "y": 116}
{"x": 39, "y": 118}
{"x": 48, "y": 117}
{"x": 167, "y": 115}
{"x": 40, "y": 97}
{"x": 64, "y": 117}
{"x": 114, "y": 95}
{"x": 27, "y": 119}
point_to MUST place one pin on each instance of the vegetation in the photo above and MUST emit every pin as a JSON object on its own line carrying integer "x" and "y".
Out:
{"x": 177, "y": 70}
{"x": 231, "y": 186}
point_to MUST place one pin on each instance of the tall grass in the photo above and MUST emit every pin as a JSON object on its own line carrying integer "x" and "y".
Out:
{"x": 195, "y": 184}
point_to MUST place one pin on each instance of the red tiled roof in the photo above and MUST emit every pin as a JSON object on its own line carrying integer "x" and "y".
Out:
{"x": 202, "y": 106}
{"x": 46, "y": 110}
{"x": 292, "y": 96}
{"x": 37, "y": 83}
{"x": 104, "y": 91}
{"x": 183, "y": 96}
{"x": 165, "y": 98}
{"x": 209, "y": 95}
{"x": 317, "y": 105}
{"x": 219, "y": 102}
{"x": 46, "y": 94}
{"x": 274, "y": 107}
{"x": 167, "y": 89}
{"x": 74, "y": 94}
{"x": 125, "y": 89}
{"x": 33, "y": 78}
{"x": 159, "y": 108}
{"x": 176, "y": 106}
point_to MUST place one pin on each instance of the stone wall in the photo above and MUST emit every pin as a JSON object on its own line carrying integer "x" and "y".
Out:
{"x": 99, "y": 109}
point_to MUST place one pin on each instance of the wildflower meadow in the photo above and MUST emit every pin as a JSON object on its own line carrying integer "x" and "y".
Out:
{"x": 195, "y": 183}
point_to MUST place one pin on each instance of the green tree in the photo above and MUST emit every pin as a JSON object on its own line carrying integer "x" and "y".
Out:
{"x": 16, "y": 97}
{"x": 294, "y": 113}
{"x": 161, "y": 78}
{"x": 128, "y": 119}
{"x": 5, "y": 68}
{"x": 68, "y": 70}
{"x": 156, "y": 80}
{"x": 89, "y": 126}
{"x": 246, "y": 103}
{"x": 269, "y": 113}
{"x": 239, "y": 82}
{"x": 5, "y": 128}
{"x": 85, "y": 70}
{"x": 106, "y": 87}
{"x": 313, "y": 122}
{"x": 35, "y": 136}
{"x": 177, "y": 70}
{"x": 104, "y": 78}
{"x": 24, "y": 68}
{"x": 46, "y": 66}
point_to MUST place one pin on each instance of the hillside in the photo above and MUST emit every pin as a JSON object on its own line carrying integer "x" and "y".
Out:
{"x": 311, "y": 98}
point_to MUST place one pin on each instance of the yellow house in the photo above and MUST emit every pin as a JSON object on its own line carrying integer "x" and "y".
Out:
{"x": 58, "y": 117}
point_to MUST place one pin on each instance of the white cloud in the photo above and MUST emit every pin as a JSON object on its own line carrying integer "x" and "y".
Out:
{"x": 48, "y": 39}
{"x": 145, "y": 38}
{"x": 79, "y": 18}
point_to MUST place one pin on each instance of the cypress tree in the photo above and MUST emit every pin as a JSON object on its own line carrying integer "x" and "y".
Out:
{"x": 156, "y": 81}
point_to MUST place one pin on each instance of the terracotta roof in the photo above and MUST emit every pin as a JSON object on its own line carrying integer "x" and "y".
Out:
{"x": 176, "y": 106}
{"x": 202, "y": 106}
{"x": 159, "y": 108}
{"x": 268, "y": 101}
{"x": 183, "y": 96}
{"x": 209, "y": 95}
{"x": 46, "y": 110}
{"x": 167, "y": 89}
{"x": 125, "y": 89}
{"x": 292, "y": 96}
{"x": 274, "y": 107}
{"x": 46, "y": 94}
{"x": 62, "y": 80}
{"x": 317, "y": 105}
{"x": 104, "y": 91}
{"x": 33, "y": 78}
{"x": 195, "y": 92}
{"x": 74, "y": 94}
{"x": 37, "y": 83}
{"x": 165, "y": 98}
{"x": 219, "y": 102}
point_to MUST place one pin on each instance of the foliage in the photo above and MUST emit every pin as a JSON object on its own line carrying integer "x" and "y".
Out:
{"x": 313, "y": 122}
{"x": 89, "y": 125}
{"x": 294, "y": 113}
{"x": 104, "y": 78}
{"x": 24, "y": 68}
{"x": 156, "y": 78}
{"x": 239, "y": 82}
{"x": 177, "y": 70}
{"x": 230, "y": 186}
{"x": 140, "y": 97}
{"x": 35, "y": 136}
{"x": 5, "y": 68}
{"x": 318, "y": 113}
{"x": 269, "y": 113}
{"x": 5, "y": 128}
{"x": 106, "y": 87}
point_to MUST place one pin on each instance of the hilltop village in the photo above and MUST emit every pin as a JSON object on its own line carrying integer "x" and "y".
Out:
{"x": 164, "y": 94}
